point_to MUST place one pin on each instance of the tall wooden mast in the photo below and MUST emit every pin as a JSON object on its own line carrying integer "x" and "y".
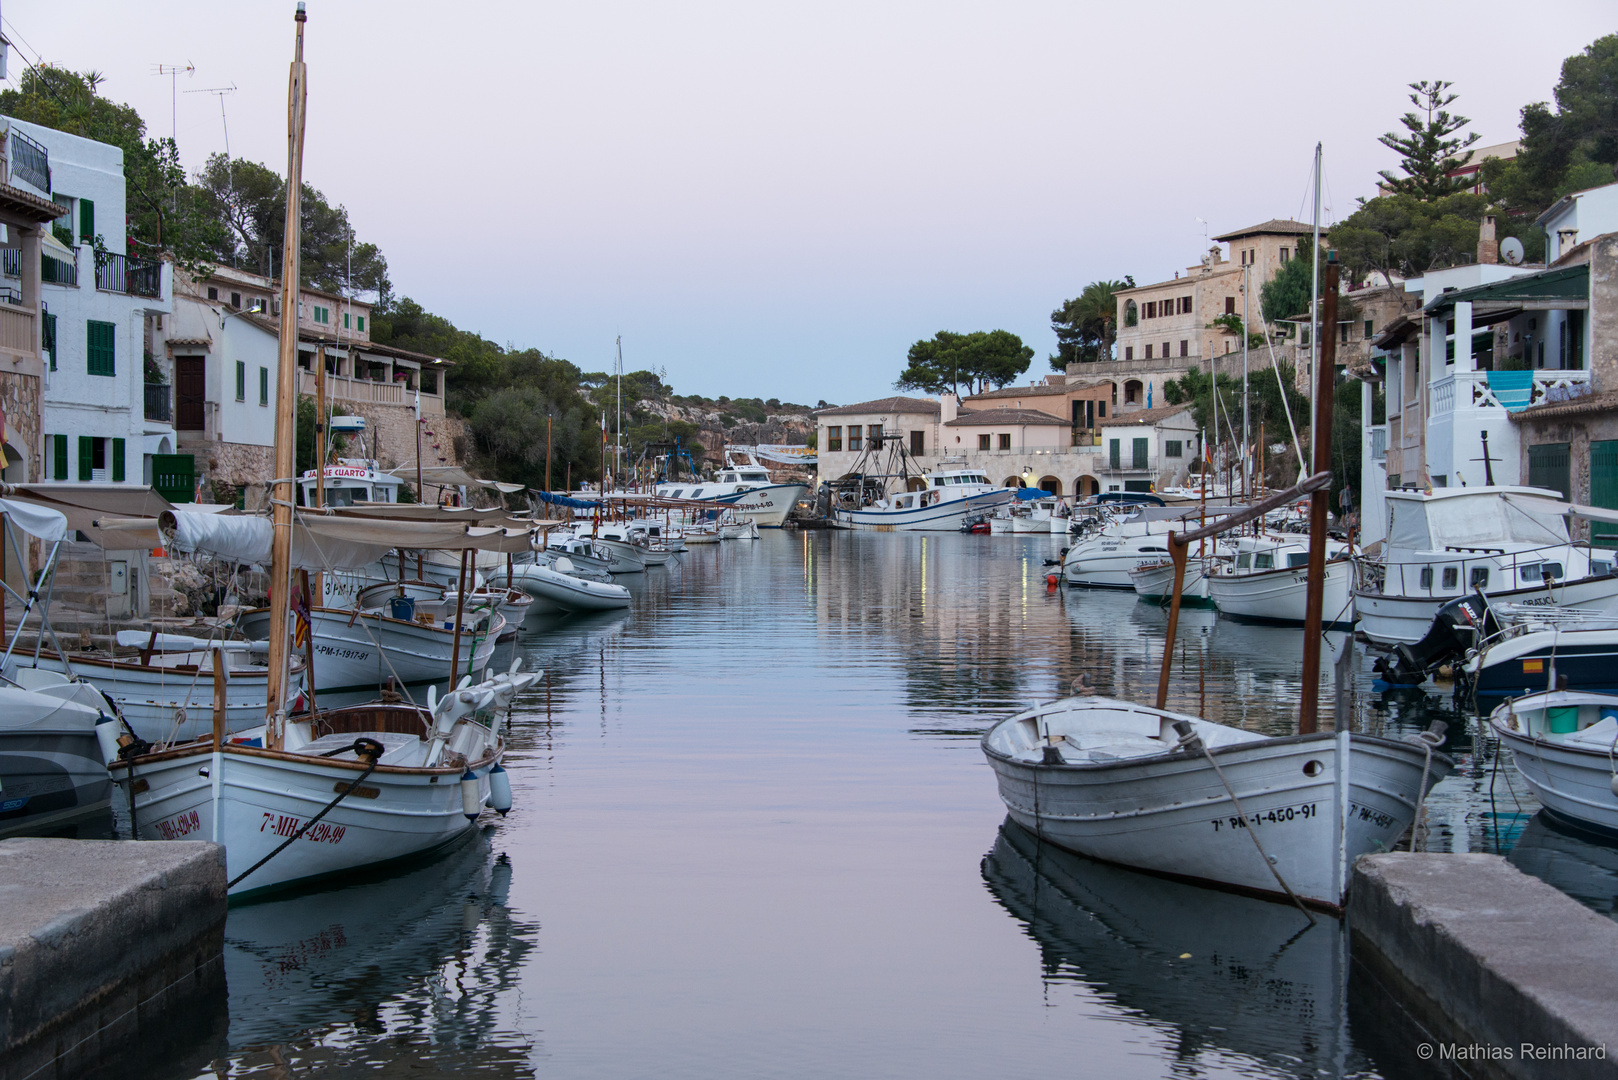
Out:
{"x": 286, "y": 404}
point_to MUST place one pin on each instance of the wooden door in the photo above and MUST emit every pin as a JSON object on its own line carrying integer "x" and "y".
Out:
{"x": 190, "y": 393}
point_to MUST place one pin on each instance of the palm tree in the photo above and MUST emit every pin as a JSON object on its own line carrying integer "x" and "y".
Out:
{"x": 1096, "y": 312}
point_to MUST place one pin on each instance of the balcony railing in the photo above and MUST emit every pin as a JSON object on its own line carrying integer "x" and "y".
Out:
{"x": 11, "y": 262}
{"x": 1471, "y": 390}
{"x": 17, "y": 330}
{"x": 30, "y": 161}
{"x": 51, "y": 271}
{"x": 158, "y": 402}
{"x": 129, "y": 275}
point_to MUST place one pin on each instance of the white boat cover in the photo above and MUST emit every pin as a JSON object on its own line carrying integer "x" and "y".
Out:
{"x": 182, "y": 643}
{"x": 35, "y": 520}
{"x": 327, "y": 542}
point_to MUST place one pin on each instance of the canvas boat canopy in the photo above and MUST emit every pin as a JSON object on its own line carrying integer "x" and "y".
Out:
{"x": 331, "y": 542}
{"x": 89, "y": 507}
{"x": 452, "y": 476}
{"x": 37, "y": 521}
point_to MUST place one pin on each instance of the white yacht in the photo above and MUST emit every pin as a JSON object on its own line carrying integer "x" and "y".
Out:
{"x": 743, "y": 487}
{"x": 948, "y": 497}
{"x": 1510, "y": 543}
{"x": 349, "y": 481}
{"x": 1104, "y": 558}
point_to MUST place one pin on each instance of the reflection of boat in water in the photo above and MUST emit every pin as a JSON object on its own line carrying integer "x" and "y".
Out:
{"x": 1258, "y": 980}
{"x": 1579, "y": 865}
{"x": 365, "y": 960}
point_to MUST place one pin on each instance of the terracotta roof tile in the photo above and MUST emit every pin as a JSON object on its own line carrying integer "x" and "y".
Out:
{"x": 884, "y": 405}
{"x": 999, "y": 417}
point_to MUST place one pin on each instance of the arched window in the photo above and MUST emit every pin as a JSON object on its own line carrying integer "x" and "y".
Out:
{"x": 1131, "y": 313}
{"x": 1133, "y": 391}
{"x": 1050, "y": 484}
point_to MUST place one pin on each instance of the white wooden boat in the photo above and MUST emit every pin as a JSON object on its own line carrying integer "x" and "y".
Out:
{"x": 1510, "y": 543}
{"x": 410, "y": 781}
{"x": 362, "y": 650}
{"x": 746, "y": 529}
{"x": 168, "y": 695}
{"x": 1563, "y": 743}
{"x": 1154, "y": 581}
{"x": 698, "y": 535}
{"x": 1119, "y": 782}
{"x": 1268, "y": 581}
{"x": 624, "y": 554}
{"x": 1104, "y": 559}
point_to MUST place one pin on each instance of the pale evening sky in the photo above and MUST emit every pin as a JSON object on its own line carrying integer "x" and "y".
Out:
{"x": 776, "y": 200}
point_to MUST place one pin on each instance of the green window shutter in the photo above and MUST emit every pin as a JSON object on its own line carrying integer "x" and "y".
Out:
{"x": 1604, "y": 489}
{"x": 1140, "y": 453}
{"x": 1112, "y": 454}
{"x": 86, "y": 457}
{"x": 117, "y": 461}
{"x": 87, "y": 220}
{"x": 241, "y": 380}
{"x": 100, "y": 350}
{"x": 59, "y": 456}
{"x": 1548, "y": 467}
{"x": 48, "y": 338}
{"x": 263, "y": 386}
{"x": 362, "y": 324}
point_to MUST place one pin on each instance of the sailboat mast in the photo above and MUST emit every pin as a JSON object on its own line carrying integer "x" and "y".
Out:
{"x": 286, "y": 404}
{"x": 1319, "y": 500}
{"x": 1314, "y": 297}
{"x": 618, "y": 443}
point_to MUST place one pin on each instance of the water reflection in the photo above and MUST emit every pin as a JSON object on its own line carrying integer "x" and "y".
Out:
{"x": 414, "y": 971}
{"x": 1580, "y": 865}
{"x": 1227, "y": 974}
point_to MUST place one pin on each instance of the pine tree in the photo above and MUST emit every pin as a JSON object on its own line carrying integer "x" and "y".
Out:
{"x": 1430, "y": 150}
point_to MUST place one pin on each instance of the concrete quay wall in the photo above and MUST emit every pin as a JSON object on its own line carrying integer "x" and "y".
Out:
{"x": 110, "y": 954}
{"x": 1503, "y": 975}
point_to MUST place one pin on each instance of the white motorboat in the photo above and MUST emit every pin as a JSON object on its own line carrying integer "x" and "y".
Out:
{"x": 166, "y": 693}
{"x": 1133, "y": 785}
{"x": 1564, "y": 744}
{"x": 1268, "y": 581}
{"x": 1002, "y": 522}
{"x": 362, "y": 650}
{"x": 741, "y": 486}
{"x": 556, "y": 583}
{"x": 408, "y": 781}
{"x": 50, "y": 757}
{"x": 1510, "y": 543}
{"x": 625, "y": 552}
{"x": 624, "y": 532}
{"x": 1104, "y": 559}
{"x": 746, "y": 529}
{"x": 702, "y": 534}
{"x": 948, "y": 497}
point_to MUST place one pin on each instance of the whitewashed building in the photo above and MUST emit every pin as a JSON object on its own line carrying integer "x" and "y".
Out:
{"x": 1149, "y": 449}
{"x": 100, "y": 307}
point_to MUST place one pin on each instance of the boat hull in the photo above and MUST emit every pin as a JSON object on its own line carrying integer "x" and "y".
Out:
{"x": 1573, "y": 783}
{"x": 1392, "y": 620}
{"x": 1281, "y": 596}
{"x": 564, "y": 592}
{"x": 767, "y": 505}
{"x": 940, "y": 517}
{"x": 1154, "y": 582}
{"x": 1536, "y": 661}
{"x": 363, "y": 652}
{"x": 265, "y": 798}
{"x": 1170, "y": 813}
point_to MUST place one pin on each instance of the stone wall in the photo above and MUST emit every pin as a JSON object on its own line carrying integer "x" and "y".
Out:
{"x": 19, "y": 400}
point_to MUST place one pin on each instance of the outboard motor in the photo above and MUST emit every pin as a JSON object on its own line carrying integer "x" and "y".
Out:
{"x": 1458, "y": 627}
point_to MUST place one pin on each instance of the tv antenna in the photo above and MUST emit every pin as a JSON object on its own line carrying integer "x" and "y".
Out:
{"x": 173, "y": 72}
{"x": 220, "y": 92}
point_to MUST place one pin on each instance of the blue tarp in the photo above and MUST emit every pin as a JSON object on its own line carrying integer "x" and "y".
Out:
{"x": 1026, "y": 494}
{"x": 563, "y": 500}
{"x": 1512, "y": 389}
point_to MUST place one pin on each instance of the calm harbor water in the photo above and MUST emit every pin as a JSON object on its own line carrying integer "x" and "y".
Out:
{"x": 754, "y": 837}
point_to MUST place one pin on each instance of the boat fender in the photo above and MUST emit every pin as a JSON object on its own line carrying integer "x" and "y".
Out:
{"x": 1051, "y": 580}
{"x": 499, "y": 789}
{"x": 107, "y": 737}
{"x": 469, "y": 796}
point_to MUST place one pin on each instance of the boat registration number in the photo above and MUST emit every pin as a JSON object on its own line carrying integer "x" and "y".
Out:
{"x": 346, "y": 654}
{"x": 1281, "y": 815}
{"x": 180, "y": 825}
{"x": 282, "y": 825}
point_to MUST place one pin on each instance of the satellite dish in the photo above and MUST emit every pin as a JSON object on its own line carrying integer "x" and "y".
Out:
{"x": 1511, "y": 250}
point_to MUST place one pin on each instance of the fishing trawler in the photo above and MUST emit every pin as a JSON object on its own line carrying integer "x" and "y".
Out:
{"x": 743, "y": 486}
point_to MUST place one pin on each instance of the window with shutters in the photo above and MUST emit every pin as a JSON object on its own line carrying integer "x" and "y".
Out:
{"x": 1148, "y": 352}
{"x": 1286, "y": 254}
{"x": 87, "y": 220}
{"x": 1129, "y": 352}
{"x": 59, "y": 457}
{"x": 117, "y": 461}
{"x": 834, "y": 437}
{"x": 213, "y": 292}
{"x": 346, "y": 317}
{"x": 361, "y": 320}
{"x": 1185, "y": 347}
{"x": 1173, "y": 447}
{"x": 918, "y": 443}
{"x": 1230, "y": 305}
{"x": 263, "y": 386}
{"x": 48, "y": 338}
{"x": 983, "y": 442}
{"x": 99, "y": 350}
{"x": 1140, "y": 453}
{"x": 1548, "y": 467}
{"x": 236, "y": 300}
{"x": 241, "y": 380}
{"x": 1114, "y": 458}
{"x": 1005, "y": 440}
